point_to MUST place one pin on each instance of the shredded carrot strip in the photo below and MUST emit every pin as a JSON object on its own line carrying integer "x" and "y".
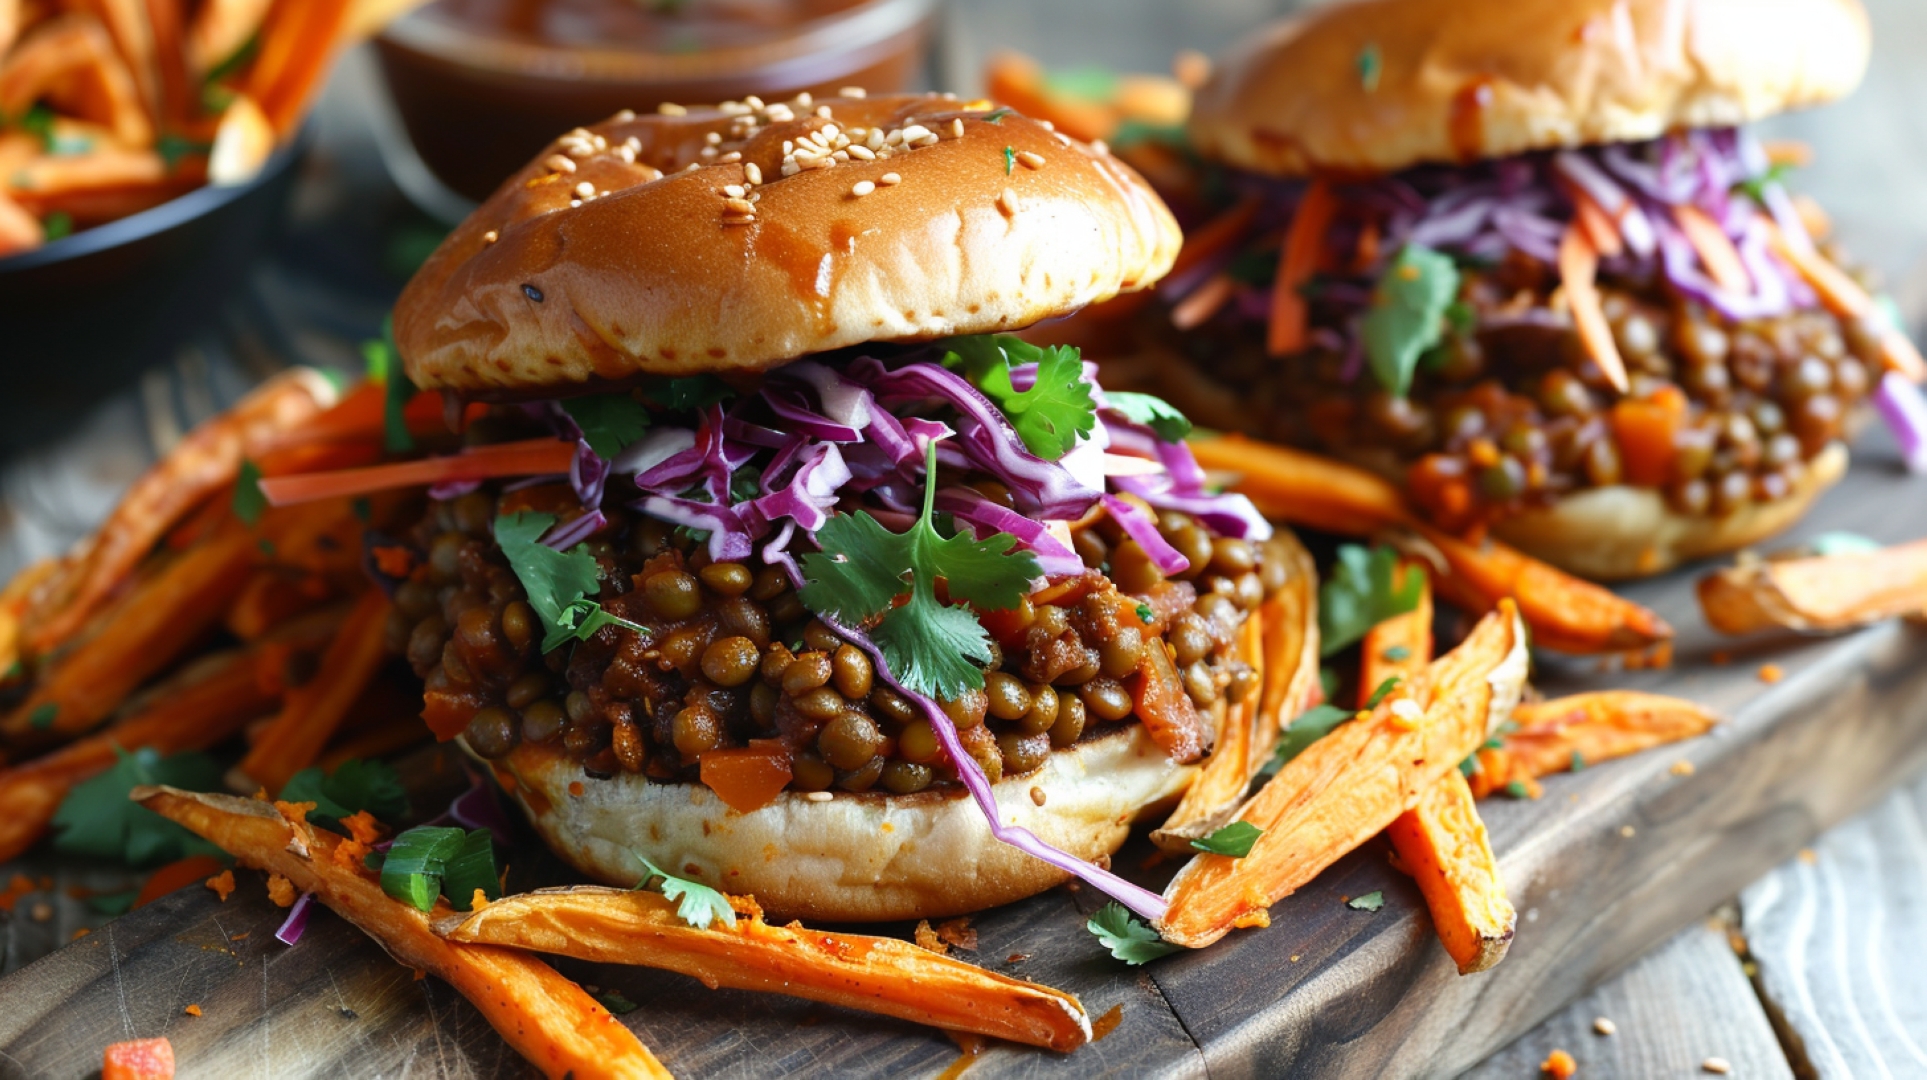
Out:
{"x": 1600, "y": 226}
{"x": 1715, "y": 248}
{"x": 1211, "y": 238}
{"x": 1787, "y": 152}
{"x": 1843, "y": 296}
{"x": 1205, "y": 301}
{"x": 532, "y": 457}
{"x": 1297, "y": 261}
{"x": 1578, "y": 266}
{"x": 361, "y": 416}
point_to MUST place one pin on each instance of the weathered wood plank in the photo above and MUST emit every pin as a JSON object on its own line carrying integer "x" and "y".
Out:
{"x": 1677, "y": 1006}
{"x": 1839, "y": 935}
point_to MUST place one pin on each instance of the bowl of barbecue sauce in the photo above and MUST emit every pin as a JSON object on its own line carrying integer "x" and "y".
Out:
{"x": 479, "y": 86}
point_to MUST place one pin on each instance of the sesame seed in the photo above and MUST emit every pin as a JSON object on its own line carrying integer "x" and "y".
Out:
{"x": 791, "y": 168}
{"x": 781, "y": 114}
{"x": 752, "y": 173}
{"x": 853, "y": 92}
{"x": 558, "y": 163}
{"x": 1717, "y": 1065}
{"x": 889, "y": 178}
{"x": 862, "y": 188}
{"x": 691, "y": 167}
{"x": 670, "y": 108}
{"x": 600, "y": 143}
{"x": 491, "y": 236}
{"x": 1047, "y": 125}
{"x": 789, "y": 147}
{"x": 1604, "y": 1026}
{"x": 573, "y": 203}
{"x": 734, "y": 191}
{"x": 585, "y": 190}
{"x": 914, "y": 132}
{"x": 1007, "y": 201}
{"x": 625, "y": 116}
{"x": 823, "y": 162}
{"x": 1627, "y": 831}
{"x": 826, "y": 133}
{"x": 1100, "y": 146}
{"x": 713, "y": 138}
{"x": 875, "y": 139}
{"x": 956, "y": 127}
{"x": 803, "y": 99}
{"x": 740, "y": 205}
{"x": 823, "y": 111}
{"x": 626, "y": 153}
{"x": 746, "y": 220}
{"x": 755, "y": 103}
{"x": 1031, "y": 158}
{"x": 860, "y": 152}
{"x": 632, "y": 143}
{"x": 731, "y": 158}
{"x": 819, "y": 796}
{"x": 708, "y": 153}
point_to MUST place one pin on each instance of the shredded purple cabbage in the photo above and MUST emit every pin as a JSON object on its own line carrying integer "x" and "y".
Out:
{"x": 297, "y": 921}
{"x": 1902, "y": 406}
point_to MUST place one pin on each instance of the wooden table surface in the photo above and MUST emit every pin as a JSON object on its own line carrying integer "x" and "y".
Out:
{"x": 1813, "y": 969}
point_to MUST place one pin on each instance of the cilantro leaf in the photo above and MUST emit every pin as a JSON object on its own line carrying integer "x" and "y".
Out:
{"x": 43, "y": 715}
{"x": 1128, "y": 939}
{"x": 249, "y": 503}
{"x": 1407, "y": 316}
{"x": 1328, "y": 683}
{"x": 609, "y": 422}
{"x": 1755, "y": 188}
{"x": 354, "y": 786}
{"x": 1842, "y": 543}
{"x": 693, "y": 392}
{"x": 1384, "y": 689}
{"x": 696, "y": 904}
{"x": 172, "y": 148}
{"x": 996, "y": 116}
{"x": 1359, "y": 594}
{"x": 1050, "y": 416}
{"x": 58, "y": 225}
{"x": 97, "y": 818}
{"x": 860, "y": 571}
{"x": 1145, "y": 615}
{"x": 1010, "y": 160}
{"x": 1310, "y": 726}
{"x": 1371, "y": 67}
{"x": 1159, "y": 415}
{"x": 617, "y": 1003}
{"x": 384, "y": 366}
{"x": 1234, "y": 840}
{"x": 1371, "y": 901}
{"x": 38, "y": 121}
{"x": 1398, "y": 654}
{"x": 560, "y": 585}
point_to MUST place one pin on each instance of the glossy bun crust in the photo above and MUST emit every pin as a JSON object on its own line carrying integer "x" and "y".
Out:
{"x": 1372, "y": 86}
{"x": 866, "y": 857}
{"x": 609, "y": 258}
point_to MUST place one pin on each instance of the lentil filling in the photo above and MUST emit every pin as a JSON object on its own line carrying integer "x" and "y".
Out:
{"x": 731, "y": 658}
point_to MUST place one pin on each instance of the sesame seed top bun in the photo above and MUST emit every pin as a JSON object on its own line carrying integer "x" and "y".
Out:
{"x": 1371, "y": 86}
{"x": 731, "y": 239}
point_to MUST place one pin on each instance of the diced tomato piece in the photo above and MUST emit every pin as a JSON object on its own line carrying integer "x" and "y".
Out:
{"x": 138, "y": 1059}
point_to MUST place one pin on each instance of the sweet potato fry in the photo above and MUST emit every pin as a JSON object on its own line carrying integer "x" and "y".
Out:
{"x": 243, "y": 142}
{"x": 133, "y": 37}
{"x": 315, "y": 710}
{"x": 366, "y": 18}
{"x": 219, "y": 30}
{"x": 202, "y": 467}
{"x": 549, "y": 1020}
{"x": 19, "y": 230}
{"x": 1281, "y": 642}
{"x": 179, "y": 91}
{"x": 1585, "y": 729}
{"x": 1442, "y": 843}
{"x": 298, "y": 42}
{"x": 1819, "y": 594}
{"x": 70, "y": 62}
{"x": 1018, "y": 81}
{"x": 1353, "y": 783}
{"x": 1565, "y": 613}
{"x": 10, "y": 18}
{"x": 1401, "y": 646}
{"x": 874, "y": 974}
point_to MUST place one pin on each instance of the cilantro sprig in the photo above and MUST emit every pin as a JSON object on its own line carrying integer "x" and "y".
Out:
{"x": 1050, "y": 416}
{"x": 609, "y": 422}
{"x": 1360, "y": 594}
{"x": 99, "y": 820}
{"x": 1308, "y": 727}
{"x": 383, "y": 362}
{"x": 933, "y": 647}
{"x": 1408, "y": 314}
{"x": 696, "y": 904}
{"x": 355, "y": 785}
{"x": 1128, "y": 939}
{"x": 434, "y": 860}
{"x": 1154, "y": 412}
{"x": 1234, "y": 840}
{"x": 561, "y": 584}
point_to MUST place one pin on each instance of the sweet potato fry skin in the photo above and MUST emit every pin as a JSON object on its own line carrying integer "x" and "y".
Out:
{"x": 1353, "y": 783}
{"x": 1442, "y": 843}
{"x": 874, "y": 974}
{"x": 549, "y": 1020}
{"x": 1818, "y": 594}
{"x": 1597, "y": 727}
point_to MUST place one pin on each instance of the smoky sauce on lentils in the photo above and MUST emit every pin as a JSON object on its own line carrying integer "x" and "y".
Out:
{"x": 731, "y": 658}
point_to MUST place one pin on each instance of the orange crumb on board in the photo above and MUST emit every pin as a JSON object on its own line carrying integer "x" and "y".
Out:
{"x": 138, "y": 1059}
{"x": 1249, "y": 919}
{"x": 420, "y": 974}
{"x": 1682, "y": 768}
{"x": 81, "y": 933}
{"x": 1809, "y": 856}
{"x": 1559, "y": 1065}
{"x": 281, "y": 891}
{"x": 222, "y": 884}
{"x": 18, "y": 887}
{"x": 927, "y": 938}
{"x": 1721, "y": 657}
{"x": 42, "y": 912}
{"x": 1771, "y": 673}
{"x": 192, "y": 1010}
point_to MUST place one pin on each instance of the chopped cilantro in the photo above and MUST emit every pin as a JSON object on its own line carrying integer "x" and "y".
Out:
{"x": 1328, "y": 683}
{"x": 234, "y": 61}
{"x": 561, "y": 585}
{"x": 1755, "y": 188}
{"x": 1010, "y": 160}
{"x": 471, "y": 868}
{"x": 1518, "y": 790}
{"x": 1133, "y": 132}
{"x": 1384, "y": 689}
{"x": 249, "y": 503}
{"x": 172, "y": 148}
{"x": 609, "y": 422}
{"x": 996, "y": 116}
{"x": 384, "y": 366}
{"x": 1310, "y": 726}
{"x": 615, "y": 1002}
{"x": 98, "y": 819}
{"x": 1050, "y": 416}
{"x": 1407, "y": 315}
{"x": 1842, "y": 543}
{"x": 696, "y": 904}
{"x": 1578, "y": 762}
{"x": 412, "y": 869}
{"x": 1397, "y": 654}
{"x": 1470, "y": 767}
{"x": 1128, "y": 939}
{"x": 38, "y": 121}
{"x": 1145, "y": 615}
{"x": 934, "y": 648}
{"x": 364, "y": 510}
{"x": 58, "y": 225}
{"x": 1234, "y": 840}
{"x": 265, "y": 546}
{"x": 1159, "y": 415}
{"x": 694, "y": 392}
{"x": 43, "y": 716}
{"x": 1371, "y": 67}
{"x": 353, "y": 786}
{"x": 1085, "y": 83}
{"x": 1371, "y": 901}
{"x": 1360, "y": 594}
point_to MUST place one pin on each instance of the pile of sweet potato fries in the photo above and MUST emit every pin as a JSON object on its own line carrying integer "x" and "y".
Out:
{"x": 110, "y": 107}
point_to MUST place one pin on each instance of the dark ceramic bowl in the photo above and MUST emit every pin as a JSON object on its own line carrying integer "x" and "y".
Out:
{"x": 83, "y": 316}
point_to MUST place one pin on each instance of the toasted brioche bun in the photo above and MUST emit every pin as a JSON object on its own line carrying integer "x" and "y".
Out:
{"x": 851, "y": 857}
{"x": 542, "y": 293}
{"x": 1619, "y": 533}
{"x": 1459, "y": 80}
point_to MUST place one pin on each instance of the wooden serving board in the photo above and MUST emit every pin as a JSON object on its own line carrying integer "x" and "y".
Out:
{"x": 1612, "y": 861}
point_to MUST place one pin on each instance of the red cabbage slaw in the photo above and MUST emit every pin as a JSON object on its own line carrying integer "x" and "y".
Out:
{"x": 770, "y": 469}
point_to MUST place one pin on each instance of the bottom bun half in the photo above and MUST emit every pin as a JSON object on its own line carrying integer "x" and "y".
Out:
{"x": 852, "y": 857}
{"x": 1619, "y": 533}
